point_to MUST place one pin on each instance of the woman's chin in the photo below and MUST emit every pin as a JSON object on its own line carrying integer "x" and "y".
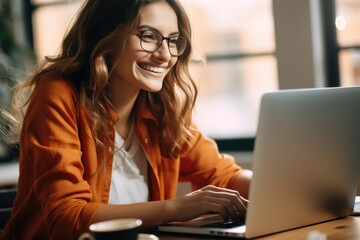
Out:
{"x": 152, "y": 85}
{"x": 153, "y": 88}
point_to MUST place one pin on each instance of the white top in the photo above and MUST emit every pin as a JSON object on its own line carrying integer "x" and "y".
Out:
{"x": 129, "y": 178}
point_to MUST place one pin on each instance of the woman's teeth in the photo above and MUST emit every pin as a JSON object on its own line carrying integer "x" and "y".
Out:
{"x": 152, "y": 69}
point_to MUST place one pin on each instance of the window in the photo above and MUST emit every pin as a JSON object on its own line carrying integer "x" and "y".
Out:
{"x": 236, "y": 37}
{"x": 51, "y": 17}
{"x": 347, "y": 24}
{"x": 342, "y": 23}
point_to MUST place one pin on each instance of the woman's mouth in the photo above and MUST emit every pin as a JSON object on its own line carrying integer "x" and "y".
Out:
{"x": 152, "y": 68}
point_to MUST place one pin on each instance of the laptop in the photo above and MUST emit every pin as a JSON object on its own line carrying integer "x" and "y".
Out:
{"x": 306, "y": 164}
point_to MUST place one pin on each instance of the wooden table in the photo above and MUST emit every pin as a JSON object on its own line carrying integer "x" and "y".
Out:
{"x": 345, "y": 229}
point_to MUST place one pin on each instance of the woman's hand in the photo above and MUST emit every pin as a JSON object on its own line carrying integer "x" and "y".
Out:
{"x": 210, "y": 199}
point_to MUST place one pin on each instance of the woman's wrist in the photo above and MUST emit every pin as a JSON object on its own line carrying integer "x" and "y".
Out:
{"x": 170, "y": 211}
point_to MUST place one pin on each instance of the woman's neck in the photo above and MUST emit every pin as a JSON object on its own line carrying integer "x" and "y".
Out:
{"x": 123, "y": 103}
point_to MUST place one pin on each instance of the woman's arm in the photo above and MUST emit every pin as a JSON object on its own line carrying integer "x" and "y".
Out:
{"x": 209, "y": 199}
{"x": 241, "y": 183}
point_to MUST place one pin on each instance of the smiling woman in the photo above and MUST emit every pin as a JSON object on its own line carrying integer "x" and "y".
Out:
{"x": 108, "y": 133}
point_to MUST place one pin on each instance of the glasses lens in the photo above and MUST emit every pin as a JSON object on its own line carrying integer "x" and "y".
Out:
{"x": 150, "y": 41}
{"x": 177, "y": 45}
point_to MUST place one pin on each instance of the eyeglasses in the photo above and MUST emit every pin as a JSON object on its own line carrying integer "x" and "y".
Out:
{"x": 151, "y": 40}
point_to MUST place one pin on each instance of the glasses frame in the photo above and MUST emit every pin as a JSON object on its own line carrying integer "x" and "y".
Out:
{"x": 140, "y": 34}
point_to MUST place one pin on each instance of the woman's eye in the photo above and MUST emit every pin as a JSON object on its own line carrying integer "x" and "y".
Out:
{"x": 173, "y": 41}
{"x": 148, "y": 36}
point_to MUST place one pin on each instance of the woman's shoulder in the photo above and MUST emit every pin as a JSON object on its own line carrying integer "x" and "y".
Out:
{"x": 55, "y": 83}
{"x": 55, "y": 89}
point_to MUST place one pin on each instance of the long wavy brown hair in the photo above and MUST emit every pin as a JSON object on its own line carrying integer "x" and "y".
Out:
{"x": 84, "y": 59}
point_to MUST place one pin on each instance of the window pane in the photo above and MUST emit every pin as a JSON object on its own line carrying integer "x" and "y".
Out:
{"x": 348, "y": 22}
{"x": 49, "y": 25}
{"x": 229, "y": 95}
{"x": 349, "y": 61}
{"x": 230, "y": 89}
{"x": 228, "y": 26}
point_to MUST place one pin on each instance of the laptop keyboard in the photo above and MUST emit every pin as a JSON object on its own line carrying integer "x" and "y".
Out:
{"x": 225, "y": 224}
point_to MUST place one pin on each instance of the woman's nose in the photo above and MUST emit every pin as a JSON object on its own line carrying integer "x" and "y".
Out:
{"x": 163, "y": 51}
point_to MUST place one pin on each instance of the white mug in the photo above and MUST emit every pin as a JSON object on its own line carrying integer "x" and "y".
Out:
{"x": 126, "y": 228}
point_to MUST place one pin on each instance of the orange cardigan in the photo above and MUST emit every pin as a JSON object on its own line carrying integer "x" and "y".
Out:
{"x": 62, "y": 182}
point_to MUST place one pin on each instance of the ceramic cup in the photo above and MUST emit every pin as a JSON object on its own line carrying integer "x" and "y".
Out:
{"x": 126, "y": 228}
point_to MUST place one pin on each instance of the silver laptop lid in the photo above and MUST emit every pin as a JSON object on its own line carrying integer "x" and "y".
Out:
{"x": 306, "y": 159}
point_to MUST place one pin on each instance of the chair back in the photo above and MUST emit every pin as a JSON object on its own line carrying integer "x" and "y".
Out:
{"x": 7, "y": 197}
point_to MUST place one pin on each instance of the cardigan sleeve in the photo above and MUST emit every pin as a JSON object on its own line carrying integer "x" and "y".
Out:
{"x": 202, "y": 164}
{"x": 51, "y": 142}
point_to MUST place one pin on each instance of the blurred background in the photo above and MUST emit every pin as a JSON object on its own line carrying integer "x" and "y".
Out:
{"x": 250, "y": 47}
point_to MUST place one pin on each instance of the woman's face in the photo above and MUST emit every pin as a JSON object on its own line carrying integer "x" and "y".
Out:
{"x": 137, "y": 69}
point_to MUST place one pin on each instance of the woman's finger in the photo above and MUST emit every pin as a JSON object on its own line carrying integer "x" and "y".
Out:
{"x": 239, "y": 203}
{"x": 229, "y": 200}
